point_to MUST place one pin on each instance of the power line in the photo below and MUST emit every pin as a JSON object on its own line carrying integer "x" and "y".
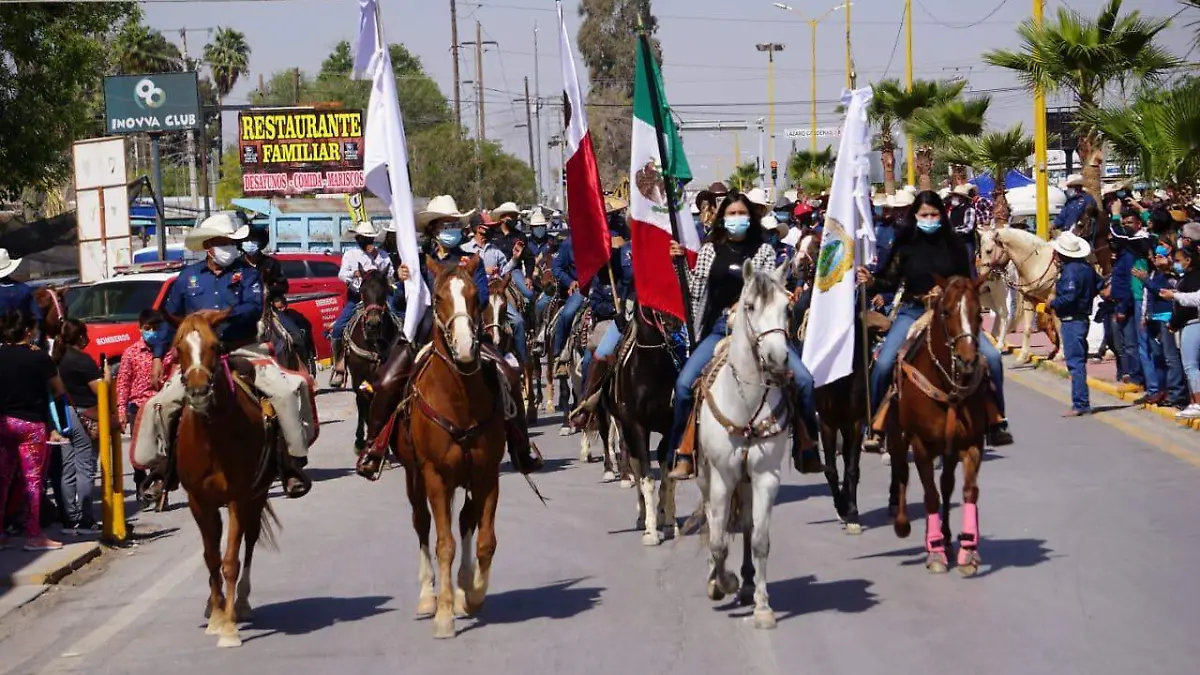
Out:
{"x": 953, "y": 26}
{"x": 894, "y": 45}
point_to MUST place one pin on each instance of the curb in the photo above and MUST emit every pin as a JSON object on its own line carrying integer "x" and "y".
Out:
{"x": 1124, "y": 392}
{"x": 50, "y": 567}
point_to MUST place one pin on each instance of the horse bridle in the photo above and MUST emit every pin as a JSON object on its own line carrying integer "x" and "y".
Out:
{"x": 954, "y": 376}
{"x": 446, "y": 336}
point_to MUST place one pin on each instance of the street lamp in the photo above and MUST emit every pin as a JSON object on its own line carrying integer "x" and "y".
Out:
{"x": 812, "y": 24}
{"x": 770, "y": 48}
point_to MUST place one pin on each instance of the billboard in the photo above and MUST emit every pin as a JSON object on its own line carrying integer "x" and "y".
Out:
{"x": 101, "y": 207}
{"x": 135, "y": 104}
{"x": 301, "y": 151}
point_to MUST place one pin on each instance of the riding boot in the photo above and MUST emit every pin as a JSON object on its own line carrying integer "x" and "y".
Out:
{"x": 805, "y": 457}
{"x": 685, "y": 456}
{"x": 338, "y": 378}
{"x": 999, "y": 435}
{"x": 296, "y": 482}
{"x": 391, "y": 380}
{"x": 591, "y": 393}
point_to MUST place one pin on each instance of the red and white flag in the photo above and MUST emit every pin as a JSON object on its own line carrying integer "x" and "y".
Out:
{"x": 590, "y": 239}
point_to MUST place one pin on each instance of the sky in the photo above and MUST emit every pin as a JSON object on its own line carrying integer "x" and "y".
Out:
{"x": 712, "y": 70}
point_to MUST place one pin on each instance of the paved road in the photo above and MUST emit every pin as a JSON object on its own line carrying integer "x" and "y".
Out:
{"x": 1089, "y": 542}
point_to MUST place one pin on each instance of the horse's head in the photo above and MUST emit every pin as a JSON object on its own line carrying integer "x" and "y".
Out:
{"x": 763, "y": 308}
{"x": 961, "y": 315}
{"x": 495, "y": 315}
{"x": 455, "y": 306}
{"x": 374, "y": 292}
{"x": 197, "y": 350}
{"x": 54, "y": 310}
{"x": 992, "y": 256}
{"x": 805, "y": 260}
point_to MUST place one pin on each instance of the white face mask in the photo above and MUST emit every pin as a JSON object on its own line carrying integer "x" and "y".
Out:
{"x": 224, "y": 256}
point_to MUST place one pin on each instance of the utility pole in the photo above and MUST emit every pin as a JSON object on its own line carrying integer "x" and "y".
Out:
{"x": 454, "y": 51}
{"x": 1039, "y": 144}
{"x": 193, "y": 187}
{"x": 537, "y": 113}
{"x": 529, "y": 132}
{"x": 910, "y": 156}
{"x": 770, "y": 48}
{"x": 481, "y": 119}
{"x": 296, "y": 86}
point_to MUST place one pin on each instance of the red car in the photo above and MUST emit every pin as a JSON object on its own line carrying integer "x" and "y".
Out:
{"x": 110, "y": 307}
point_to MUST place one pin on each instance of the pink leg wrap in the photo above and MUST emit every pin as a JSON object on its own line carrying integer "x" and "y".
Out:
{"x": 970, "y": 526}
{"x": 933, "y": 533}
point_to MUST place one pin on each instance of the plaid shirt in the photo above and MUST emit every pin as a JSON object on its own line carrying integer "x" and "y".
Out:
{"x": 983, "y": 212}
{"x": 133, "y": 377}
{"x": 764, "y": 259}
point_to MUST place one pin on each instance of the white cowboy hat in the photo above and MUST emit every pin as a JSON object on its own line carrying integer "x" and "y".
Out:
{"x": 537, "y": 218}
{"x": 964, "y": 189}
{"x": 791, "y": 195}
{"x": 612, "y": 204}
{"x": 1071, "y": 245}
{"x": 507, "y": 208}
{"x": 365, "y": 229}
{"x": 214, "y": 226}
{"x": 901, "y": 200}
{"x": 759, "y": 196}
{"x": 1074, "y": 180}
{"x": 441, "y": 206}
{"x": 696, "y": 209}
{"x": 769, "y": 222}
{"x": 8, "y": 265}
{"x": 880, "y": 199}
{"x": 944, "y": 192}
{"x": 910, "y": 189}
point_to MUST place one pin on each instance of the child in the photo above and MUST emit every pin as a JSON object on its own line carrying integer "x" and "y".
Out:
{"x": 1074, "y": 293}
{"x": 1164, "y": 351}
{"x": 139, "y": 376}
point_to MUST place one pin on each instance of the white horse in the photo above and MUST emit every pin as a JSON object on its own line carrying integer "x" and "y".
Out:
{"x": 742, "y": 437}
{"x": 1036, "y": 273}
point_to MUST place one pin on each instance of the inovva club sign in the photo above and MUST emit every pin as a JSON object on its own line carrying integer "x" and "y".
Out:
{"x": 135, "y": 104}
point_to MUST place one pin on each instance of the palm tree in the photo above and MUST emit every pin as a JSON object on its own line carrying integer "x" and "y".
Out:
{"x": 932, "y": 129}
{"x": 882, "y": 114}
{"x": 743, "y": 177}
{"x": 228, "y": 58}
{"x": 141, "y": 49}
{"x": 1086, "y": 58}
{"x": 925, "y": 94}
{"x": 996, "y": 151}
{"x": 806, "y": 162}
{"x": 815, "y": 184}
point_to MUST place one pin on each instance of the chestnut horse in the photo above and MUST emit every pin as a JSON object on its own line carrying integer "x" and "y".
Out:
{"x": 226, "y": 455}
{"x": 498, "y": 329}
{"x": 453, "y": 438}
{"x": 942, "y": 410}
{"x": 54, "y": 310}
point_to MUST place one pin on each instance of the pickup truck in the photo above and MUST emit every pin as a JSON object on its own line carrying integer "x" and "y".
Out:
{"x": 110, "y": 307}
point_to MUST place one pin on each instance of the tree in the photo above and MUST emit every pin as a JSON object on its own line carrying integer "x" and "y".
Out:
{"x": 807, "y": 162}
{"x": 908, "y": 105}
{"x": 229, "y": 187}
{"x": 743, "y": 177}
{"x": 882, "y": 113}
{"x": 1087, "y": 58}
{"x": 996, "y": 151}
{"x": 933, "y": 128}
{"x": 52, "y": 61}
{"x": 228, "y": 58}
{"x": 608, "y": 47}
{"x": 141, "y": 49}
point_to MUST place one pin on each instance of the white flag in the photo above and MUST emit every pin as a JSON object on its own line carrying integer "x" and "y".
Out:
{"x": 848, "y": 241}
{"x": 385, "y": 158}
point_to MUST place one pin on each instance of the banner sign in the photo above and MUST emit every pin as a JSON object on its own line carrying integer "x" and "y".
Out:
{"x": 135, "y": 104}
{"x": 825, "y": 132}
{"x": 297, "y": 151}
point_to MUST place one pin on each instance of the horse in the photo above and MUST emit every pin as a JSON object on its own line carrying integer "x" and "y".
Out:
{"x": 993, "y": 295}
{"x": 498, "y": 329}
{"x": 942, "y": 410}
{"x": 51, "y": 302}
{"x": 1037, "y": 275}
{"x": 369, "y": 333}
{"x": 1093, "y": 226}
{"x": 453, "y": 438}
{"x": 226, "y": 455}
{"x": 742, "y": 421}
{"x": 639, "y": 400}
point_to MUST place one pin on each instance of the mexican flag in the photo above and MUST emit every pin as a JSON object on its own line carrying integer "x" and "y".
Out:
{"x": 654, "y": 275}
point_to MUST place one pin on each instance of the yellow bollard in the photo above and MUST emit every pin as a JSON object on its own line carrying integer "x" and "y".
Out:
{"x": 112, "y": 493}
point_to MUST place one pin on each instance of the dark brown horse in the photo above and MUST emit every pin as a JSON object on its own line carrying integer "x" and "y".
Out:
{"x": 498, "y": 329}
{"x": 369, "y": 333}
{"x": 942, "y": 410}
{"x": 226, "y": 455}
{"x": 453, "y": 437}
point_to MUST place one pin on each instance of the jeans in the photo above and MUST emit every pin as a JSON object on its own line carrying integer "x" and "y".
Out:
{"x": 517, "y": 321}
{"x": 1189, "y": 347}
{"x": 605, "y": 349}
{"x": 1150, "y": 372}
{"x": 78, "y": 475}
{"x": 1132, "y": 366}
{"x": 518, "y": 282}
{"x": 570, "y": 309}
{"x": 889, "y": 352}
{"x": 1164, "y": 348}
{"x": 339, "y": 325}
{"x": 1074, "y": 346}
{"x": 539, "y": 307}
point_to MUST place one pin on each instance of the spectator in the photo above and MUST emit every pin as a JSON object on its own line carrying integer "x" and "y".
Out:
{"x": 1185, "y": 320}
{"x": 1164, "y": 352}
{"x": 81, "y": 377}
{"x": 1074, "y": 292}
{"x": 136, "y": 382}
{"x": 1126, "y": 312}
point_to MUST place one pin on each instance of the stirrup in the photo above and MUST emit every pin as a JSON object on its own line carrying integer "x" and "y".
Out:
{"x": 685, "y": 468}
{"x": 872, "y": 443}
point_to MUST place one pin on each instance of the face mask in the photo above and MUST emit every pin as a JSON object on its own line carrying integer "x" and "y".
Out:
{"x": 250, "y": 247}
{"x": 450, "y": 238}
{"x": 737, "y": 225}
{"x": 929, "y": 225}
{"x": 539, "y": 231}
{"x": 878, "y": 210}
{"x": 770, "y": 237}
{"x": 149, "y": 335}
{"x": 365, "y": 243}
{"x": 1178, "y": 268}
{"x": 224, "y": 256}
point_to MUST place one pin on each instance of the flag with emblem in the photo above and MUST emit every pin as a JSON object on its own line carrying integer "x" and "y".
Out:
{"x": 655, "y": 135}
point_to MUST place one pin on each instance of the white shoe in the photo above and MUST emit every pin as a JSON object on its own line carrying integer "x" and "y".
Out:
{"x": 1192, "y": 412}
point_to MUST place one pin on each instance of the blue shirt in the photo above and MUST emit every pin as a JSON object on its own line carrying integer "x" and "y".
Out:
{"x": 563, "y": 265}
{"x": 1072, "y": 210}
{"x": 1158, "y": 309}
{"x": 1122, "y": 281}
{"x": 456, "y": 256}
{"x": 18, "y": 297}
{"x": 237, "y": 288}
{"x": 1075, "y": 290}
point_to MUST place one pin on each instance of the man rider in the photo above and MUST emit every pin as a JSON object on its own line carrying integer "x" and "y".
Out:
{"x": 497, "y": 264}
{"x": 223, "y": 281}
{"x": 445, "y": 222}
{"x": 15, "y": 295}
{"x": 366, "y": 256}
{"x": 275, "y": 284}
{"x": 563, "y": 267}
{"x": 1076, "y": 205}
{"x": 539, "y": 244}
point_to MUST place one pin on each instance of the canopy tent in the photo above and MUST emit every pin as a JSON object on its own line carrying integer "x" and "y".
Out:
{"x": 987, "y": 184}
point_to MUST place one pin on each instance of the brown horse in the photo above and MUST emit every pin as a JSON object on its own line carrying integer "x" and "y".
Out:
{"x": 53, "y": 306}
{"x": 226, "y": 455}
{"x": 942, "y": 409}
{"x": 454, "y": 438}
{"x": 498, "y": 329}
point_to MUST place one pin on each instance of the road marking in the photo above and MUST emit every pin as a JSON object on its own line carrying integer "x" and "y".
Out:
{"x": 1173, "y": 449}
{"x": 70, "y": 659}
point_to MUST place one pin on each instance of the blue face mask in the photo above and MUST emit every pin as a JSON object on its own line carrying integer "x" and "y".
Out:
{"x": 929, "y": 225}
{"x": 450, "y": 238}
{"x": 539, "y": 232}
{"x": 250, "y": 247}
{"x": 1177, "y": 268}
{"x": 149, "y": 335}
{"x": 737, "y": 225}
{"x": 770, "y": 237}
{"x": 878, "y": 210}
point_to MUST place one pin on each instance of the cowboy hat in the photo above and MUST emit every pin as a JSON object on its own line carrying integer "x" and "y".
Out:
{"x": 1071, "y": 245}
{"x": 505, "y": 209}
{"x": 1074, "y": 180}
{"x": 365, "y": 229}
{"x": 880, "y": 199}
{"x": 964, "y": 189}
{"x": 718, "y": 189}
{"x": 1113, "y": 187}
{"x": 901, "y": 200}
{"x": 1191, "y": 231}
{"x": 486, "y": 219}
{"x": 758, "y": 196}
{"x": 783, "y": 204}
{"x": 1179, "y": 215}
{"x": 612, "y": 204}
{"x": 537, "y": 218}
{"x": 7, "y": 265}
{"x": 441, "y": 207}
{"x": 215, "y": 226}
{"x": 944, "y": 192}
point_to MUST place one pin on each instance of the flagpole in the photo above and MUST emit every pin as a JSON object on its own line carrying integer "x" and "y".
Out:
{"x": 668, "y": 181}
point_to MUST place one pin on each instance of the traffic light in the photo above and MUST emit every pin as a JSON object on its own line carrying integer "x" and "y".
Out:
{"x": 774, "y": 171}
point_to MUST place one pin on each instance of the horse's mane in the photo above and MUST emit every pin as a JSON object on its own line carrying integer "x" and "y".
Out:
{"x": 1012, "y": 235}
{"x": 374, "y": 288}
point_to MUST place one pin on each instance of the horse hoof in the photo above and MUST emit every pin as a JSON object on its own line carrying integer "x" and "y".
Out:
{"x": 443, "y": 628}
{"x": 226, "y": 641}
{"x": 585, "y": 456}
{"x": 626, "y": 483}
{"x": 651, "y": 539}
{"x": 902, "y": 529}
{"x": 936, "y": 563}
{"x": 565, "y": 431}
{"x": 746, "y": 596}
{"x": 885, "y": 459}
{"x": 669, "y": 533}
{"x": 714, "y": 592}
{"x": 244, "y": 612}
{"x": 764, "y": 619}
{"x": 730, "y": 583}
{"x": 968, "y": 561}
{"x": 212, "y": 628}
{"x": 426, "y": 605}
{"x": 360, "y": 446}
{"x": 853, "y": 528}
{"x": 608, "y": 477}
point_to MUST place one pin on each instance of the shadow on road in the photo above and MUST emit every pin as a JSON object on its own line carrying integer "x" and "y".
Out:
{"x": 791, "y": 492}
{"x": 559, "y": 600}
{"x": 805, "y": 595}
{"x": 998, "y": 554}
{"x": 309, "y": 615}
{"x": 330, "y": 473}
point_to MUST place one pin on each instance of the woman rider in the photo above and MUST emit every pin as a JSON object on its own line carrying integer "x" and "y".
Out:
{"x": 716, "y": 286}
{"x": 925, "y": 246}
{"x": 445, "y": 223}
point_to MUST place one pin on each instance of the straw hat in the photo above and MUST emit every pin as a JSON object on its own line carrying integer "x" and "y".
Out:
{"x": 506, "y": 209}
{"x": 365, "y": 229}
{"x": 901, "y": 200}
{"x": 441, "y": 207}
{"x": 964, "y": 189}
{"x": 1178, "y": 215}
{"x": 1074, "y": 180}
{"x": 944, "y": 192}
{"x": 612, "y": 204}
{"x": 1070, "y": 245}
{"x": 1191, "y": 231}
{"x": 759, "y": 196}
{"x": 7, "y": 265}
{"x": 213, "y": 227}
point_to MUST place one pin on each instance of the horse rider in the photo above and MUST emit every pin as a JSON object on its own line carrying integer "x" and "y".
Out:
{"x": 563, "y": 267}
{"x": 444, "y": 220}
{"x": 716, "y": 285}
{"x": 925, "y": 246}
{"x": 963, "y": 217}
{"x": 498, "y": 264}
{"x": 537, "y": 245}
{"x": 223, "y": 281}
{"x": 1076, "y": 205}
{"x": 367, "y": 255}
{"x": 275, "y": 283}
{"x": 15, "y": 295}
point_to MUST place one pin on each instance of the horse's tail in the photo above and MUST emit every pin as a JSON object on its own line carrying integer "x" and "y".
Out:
{"x": 270, "y": 526}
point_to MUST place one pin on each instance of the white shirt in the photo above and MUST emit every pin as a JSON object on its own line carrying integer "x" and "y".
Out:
{"x": 355, "y": 257}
